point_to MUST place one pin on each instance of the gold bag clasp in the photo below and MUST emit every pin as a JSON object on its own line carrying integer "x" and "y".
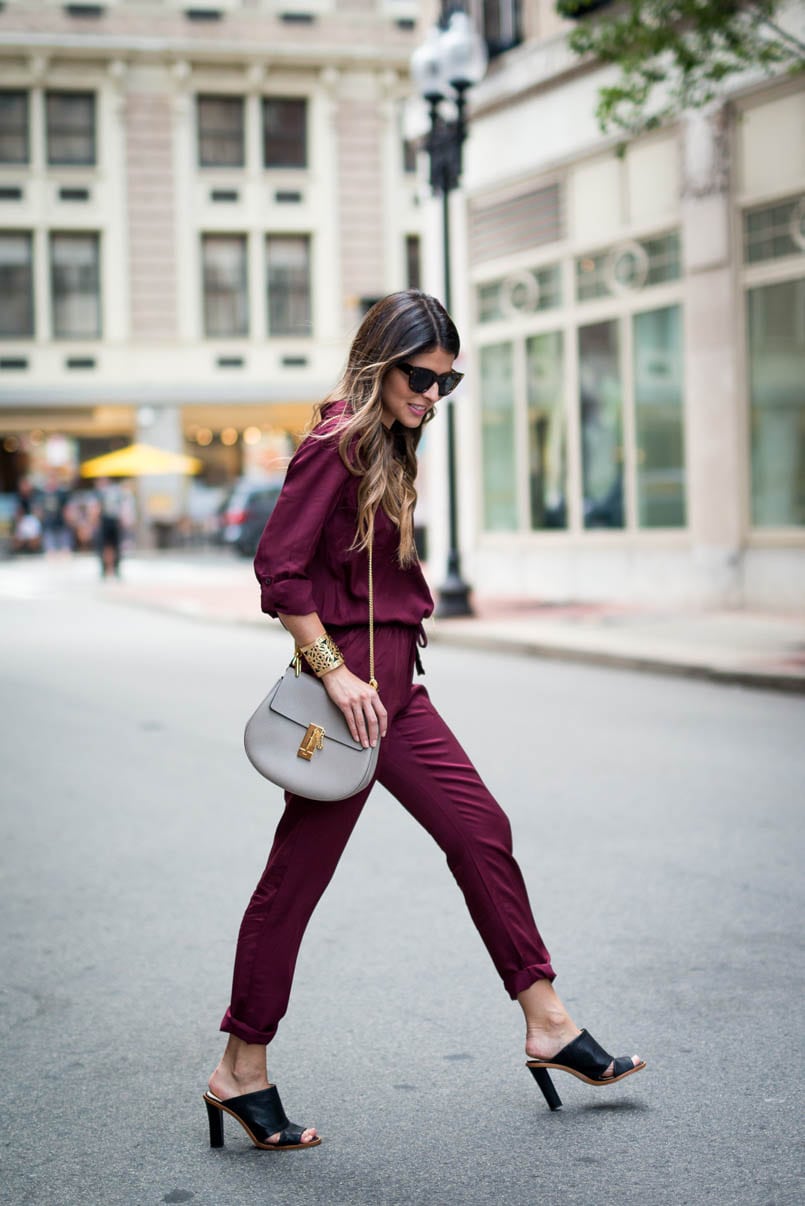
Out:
{"x": 313, "y": 740}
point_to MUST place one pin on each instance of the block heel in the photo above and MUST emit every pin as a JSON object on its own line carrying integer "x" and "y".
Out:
{"x": 216, "y": 1121}
{"x": 543, "y": 1079}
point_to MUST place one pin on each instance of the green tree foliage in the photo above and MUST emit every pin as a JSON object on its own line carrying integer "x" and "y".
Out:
{"x": 676, "y": 54}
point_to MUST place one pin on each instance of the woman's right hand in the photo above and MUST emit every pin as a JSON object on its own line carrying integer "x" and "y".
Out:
{"x": 360, "y": 703}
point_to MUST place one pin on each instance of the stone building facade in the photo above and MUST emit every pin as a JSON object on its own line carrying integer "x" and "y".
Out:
{"x": 198, "y": 200}
{"x": 632, "y": 424}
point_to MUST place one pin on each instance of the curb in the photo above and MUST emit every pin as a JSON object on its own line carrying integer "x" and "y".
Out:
{"x": 764, "y": 680}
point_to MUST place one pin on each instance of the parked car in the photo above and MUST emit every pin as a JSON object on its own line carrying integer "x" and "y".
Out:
{"x": 245, "y": 513}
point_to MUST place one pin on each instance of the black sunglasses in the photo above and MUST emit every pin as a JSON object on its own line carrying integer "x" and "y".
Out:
{"x": 421, "y": 379}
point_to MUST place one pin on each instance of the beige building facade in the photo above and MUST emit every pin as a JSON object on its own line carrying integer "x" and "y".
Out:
{"x": 633, "y": 421}
{"x": 198, "y": 201}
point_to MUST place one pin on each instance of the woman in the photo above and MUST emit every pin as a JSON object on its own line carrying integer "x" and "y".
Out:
{"x": 351, "y": 483}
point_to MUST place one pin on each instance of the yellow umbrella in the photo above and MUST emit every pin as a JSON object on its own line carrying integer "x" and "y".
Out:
{"x": 140, "y": 460}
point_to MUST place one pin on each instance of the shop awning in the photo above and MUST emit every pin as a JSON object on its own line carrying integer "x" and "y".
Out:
{"x": 140, "y": 460}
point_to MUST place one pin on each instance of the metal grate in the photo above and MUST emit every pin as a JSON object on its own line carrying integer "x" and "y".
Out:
{"x": 531, "y": 219}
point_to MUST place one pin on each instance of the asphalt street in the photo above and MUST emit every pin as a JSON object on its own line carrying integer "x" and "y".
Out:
{"x": 658, "y": 824}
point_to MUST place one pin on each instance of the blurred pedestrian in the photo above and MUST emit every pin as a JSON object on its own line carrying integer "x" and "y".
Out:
{"x": 111, "y": 506}
{"x": 56, "y": 533}
{"x": 350, "y": 490}
{"x": 82, "y": 513}
{"x": 28, "y": 518}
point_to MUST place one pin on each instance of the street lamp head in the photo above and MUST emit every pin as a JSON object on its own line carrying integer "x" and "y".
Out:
{"x": 463, "y": 53}
{"x": 427, "y": 68}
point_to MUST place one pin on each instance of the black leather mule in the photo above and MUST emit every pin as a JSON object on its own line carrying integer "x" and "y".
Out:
{"x": 260, "y": 1114}
{"x": 585, "y": 1059}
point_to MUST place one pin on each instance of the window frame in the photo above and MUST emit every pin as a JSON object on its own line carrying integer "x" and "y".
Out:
{"x": 217, "y": 97}
{"x": 307, "y": 239}
{"x": 25, "y": 131}
{"x": 205, "y": 236}
{"x": 753, "y": 275}
{"x": 74, "y": 235}
{"x": 288, "y": 164}
{"x": 30, "y": 333}
{"x": 568, "y": 318}
{"x": 86, "y": 93}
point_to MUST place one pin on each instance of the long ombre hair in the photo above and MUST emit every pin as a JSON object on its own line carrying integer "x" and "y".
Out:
{"x": 396, "y": 328}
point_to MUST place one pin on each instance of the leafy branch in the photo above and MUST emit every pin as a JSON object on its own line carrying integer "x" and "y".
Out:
{"x": 676, "y": 54}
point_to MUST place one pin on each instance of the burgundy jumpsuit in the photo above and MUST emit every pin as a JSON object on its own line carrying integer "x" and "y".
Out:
{"x": 304, "y": 563}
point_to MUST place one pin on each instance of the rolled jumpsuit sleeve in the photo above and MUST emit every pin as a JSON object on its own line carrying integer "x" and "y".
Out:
{"x": 315, "y": 479}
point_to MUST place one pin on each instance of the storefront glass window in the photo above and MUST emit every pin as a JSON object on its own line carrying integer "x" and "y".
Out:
{"x": 520, "y": 293}
{"x": 776, "y": 321}
{"x": 774, "y": 231}
{"x": 659, "y": 418}
{"x": 601, "y": 425}
{"x": 629, "y": 266}
{"x": 546, "y": 431}
{"x": 497, "y": 423}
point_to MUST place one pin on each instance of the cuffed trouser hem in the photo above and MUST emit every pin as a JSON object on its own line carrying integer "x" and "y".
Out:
{"x": 521, "y": 980}
{"x": 231, "y": 1025}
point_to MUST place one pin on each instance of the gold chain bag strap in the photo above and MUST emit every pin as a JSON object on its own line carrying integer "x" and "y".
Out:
{"x": 298, "y": 739}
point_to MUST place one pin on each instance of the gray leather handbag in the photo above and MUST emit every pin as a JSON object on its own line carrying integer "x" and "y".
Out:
{"x": 300, "y": 740}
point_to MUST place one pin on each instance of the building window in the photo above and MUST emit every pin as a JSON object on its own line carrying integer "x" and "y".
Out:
{"x": 410, "y": 148}
{"x": 520, "y": 293}
{"x": 601, "y": 403}
{"x": 502, "y": 25}
{"x": 75, "y": 286}
{"x": 623, "y": 432}
{"x": 221, "y": 133}
{"x": 226, "y": 285}
{"x": 70, "y": 128}
{"x": 774, "y": 231}
{"x": 288, "y": 277}
{"x": 658, "y": 366}
{"x": 14, "y": 127}
{"x": 776, "y": 337}
{"x": 413, "y": 261}
{"x": 629, "y": 267}
{"x": 547, "y": 453}
{"x": 498, "y": 440}
{"x": 284, "y": 132}
{"x": 16, "y": 286}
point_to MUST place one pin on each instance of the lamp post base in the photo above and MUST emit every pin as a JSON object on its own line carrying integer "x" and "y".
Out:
{"x": 453, "y": 596}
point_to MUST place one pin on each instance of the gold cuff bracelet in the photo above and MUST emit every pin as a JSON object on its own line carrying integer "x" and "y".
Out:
{"x": 322, "y": 655}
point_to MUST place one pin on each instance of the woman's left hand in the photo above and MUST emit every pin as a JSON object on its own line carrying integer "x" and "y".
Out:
{"x": 360, "y": 703}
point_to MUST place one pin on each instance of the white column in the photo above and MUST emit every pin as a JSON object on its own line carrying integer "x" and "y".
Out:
{"x": 160, "y": 499}
{"x": 115, "y": 290}
{"x": 714, "y": 416}
{"x": 188, "y": 241}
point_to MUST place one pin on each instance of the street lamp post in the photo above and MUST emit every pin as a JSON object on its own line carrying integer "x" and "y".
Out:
{"x": 452, "y": 59}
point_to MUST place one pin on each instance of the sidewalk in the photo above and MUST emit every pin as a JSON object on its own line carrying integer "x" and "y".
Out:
{"x": 754, "y": 649}
{"x": 750, "y": 648}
